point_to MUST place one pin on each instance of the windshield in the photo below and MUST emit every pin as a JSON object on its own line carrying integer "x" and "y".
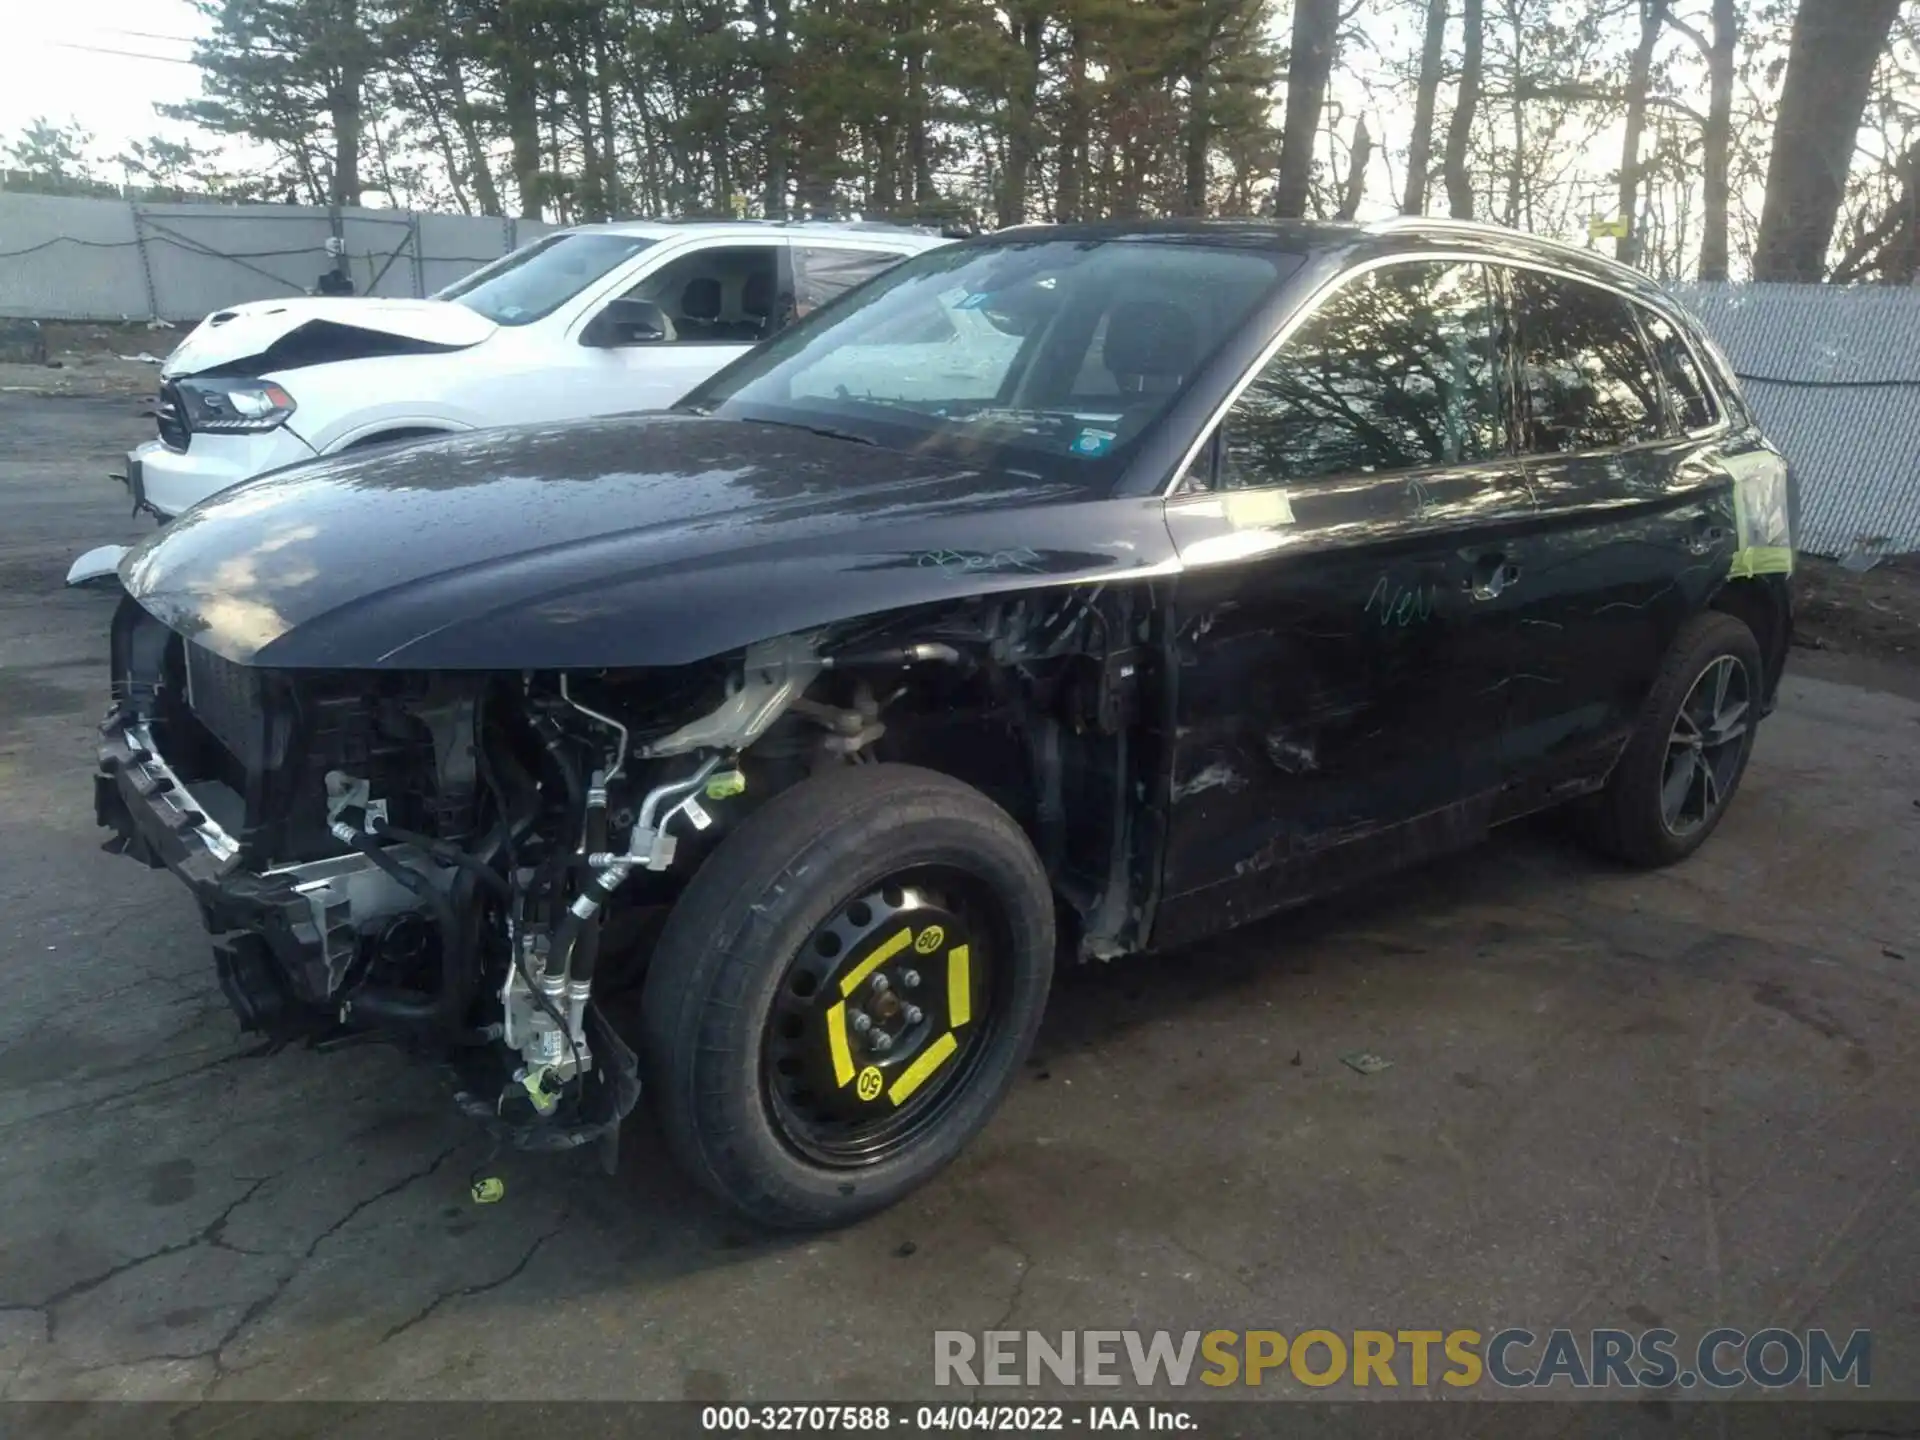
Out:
{"x": 537, "y": 279}
{"x": 1054, "y": 355}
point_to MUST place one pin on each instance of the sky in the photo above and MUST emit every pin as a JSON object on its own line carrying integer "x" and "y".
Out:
{"x": 53, "y": 64}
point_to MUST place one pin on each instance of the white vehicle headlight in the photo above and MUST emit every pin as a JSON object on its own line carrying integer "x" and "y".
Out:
{"x": 216, "y": 403}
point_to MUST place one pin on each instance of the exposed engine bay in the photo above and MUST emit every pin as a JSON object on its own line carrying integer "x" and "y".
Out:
{"x": 470, "y": 863}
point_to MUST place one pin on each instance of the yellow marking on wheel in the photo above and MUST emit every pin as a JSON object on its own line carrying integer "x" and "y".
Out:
{"x": 889, "y": 948}
{"x": 929, "y": 939}
{"x": 959, "y": 986}
{"x": 837, "y": 1041}
{"x": 928, "y": 1061}
{"x": 872, "y": 1082}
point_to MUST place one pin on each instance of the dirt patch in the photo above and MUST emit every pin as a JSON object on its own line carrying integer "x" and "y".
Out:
{"x": 1875, "y": 615}
{"x": 95, "y": 359}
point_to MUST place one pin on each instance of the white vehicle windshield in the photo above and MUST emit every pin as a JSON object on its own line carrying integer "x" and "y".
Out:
{"x": 537, "y": 279}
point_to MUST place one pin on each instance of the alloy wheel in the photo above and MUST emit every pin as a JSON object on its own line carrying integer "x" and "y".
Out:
{"x": 1705, "y": 747}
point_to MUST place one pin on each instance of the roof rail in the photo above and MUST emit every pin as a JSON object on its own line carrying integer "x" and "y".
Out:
{"x": 1501, "y": 232}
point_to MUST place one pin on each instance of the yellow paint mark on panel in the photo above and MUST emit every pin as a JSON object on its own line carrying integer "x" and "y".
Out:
{"x": 837, "y": 1041}
{"x": 889, "y": 948}
{"x": 1252, "y": 509}
{"x": 959, "y": 986}
{"x": 928, "y": 1061}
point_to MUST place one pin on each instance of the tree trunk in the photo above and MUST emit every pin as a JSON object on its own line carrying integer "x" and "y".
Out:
{"x": 1653, "y": 19}
{"x": 1070, "y": 190}
{"x": 772, "y": 19}
{"x": 479, "y": 168}
{"x": 343, "y": 104}
{"x": 520, "y": 98}
{"x": 1460, "y": 128}
{"x": 603, "y": 84}
{"x": 1357, "y": 171}
{"x": 1829, "y": 66}
{"x": 1717, "y": 141}
{"x": 1199, "y": 137}
{"x": 1420, "y": 145}
{"x": 1029, "y": 28}
{"x": 919, "y": 147}
{"x": 1315, "y": 23}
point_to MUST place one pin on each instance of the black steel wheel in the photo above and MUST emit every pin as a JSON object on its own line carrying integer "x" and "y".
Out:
{"x": 844, "y": 991}
{"x": 884, "y": 1012}
{"x": 1679, "y": 772}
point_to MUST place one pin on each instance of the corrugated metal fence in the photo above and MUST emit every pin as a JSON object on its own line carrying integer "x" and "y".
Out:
{"x": 1834, "y": 375}
{"x": 73, "y": 258}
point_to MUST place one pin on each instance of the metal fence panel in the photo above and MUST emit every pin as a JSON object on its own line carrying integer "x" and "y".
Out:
{"x": 80, "y": 258}
{"x": 1823, "y": 370}
{"x": 63, "y": 257}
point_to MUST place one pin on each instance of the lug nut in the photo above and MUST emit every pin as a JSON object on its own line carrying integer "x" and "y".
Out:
{"x": 862, "y": 1022}
{"x": 913, "y": 1014}
{"x": 909, "y": 979}
{"x": 880, "y": 1040}
{"x": 880, "y": 984}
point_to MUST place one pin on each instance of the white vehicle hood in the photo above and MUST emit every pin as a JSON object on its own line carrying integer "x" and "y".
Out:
{"x": 244, "y": 332}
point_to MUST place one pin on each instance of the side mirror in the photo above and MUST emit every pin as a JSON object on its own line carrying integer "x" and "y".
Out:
{"x": 627, "y": 321}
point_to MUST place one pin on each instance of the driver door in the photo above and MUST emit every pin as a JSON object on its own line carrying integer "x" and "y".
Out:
{"x": 1334, "y": 645}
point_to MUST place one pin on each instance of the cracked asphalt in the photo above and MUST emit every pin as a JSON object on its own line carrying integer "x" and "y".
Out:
{"x": 1615, "y": 1099}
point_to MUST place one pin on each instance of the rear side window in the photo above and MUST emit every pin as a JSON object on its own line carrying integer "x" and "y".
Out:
{"x": 822, "y": 272}
{"x": 1687, "y": 394}
{"x": 1586, "y": 377}
{"x": 1394, "y": 371}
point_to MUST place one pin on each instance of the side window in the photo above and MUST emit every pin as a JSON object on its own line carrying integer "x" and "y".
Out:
{"x": 723, "y": 295}
{"x": 1394, "y": 371}
{"x": 822, "y": 272}
{"x": 1687, "y": 394}
{"x": 1586, "y": 379}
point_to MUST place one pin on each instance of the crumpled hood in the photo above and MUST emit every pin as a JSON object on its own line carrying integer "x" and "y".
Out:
{"x": 630, "y": 541}
{"x": 244, "y": 332}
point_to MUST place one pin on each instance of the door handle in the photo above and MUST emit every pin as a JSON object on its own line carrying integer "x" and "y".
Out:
{"x": 1492, "y": 574}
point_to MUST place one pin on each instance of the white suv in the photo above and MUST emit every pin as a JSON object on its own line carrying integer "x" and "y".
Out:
{"x": 592, "y": 320}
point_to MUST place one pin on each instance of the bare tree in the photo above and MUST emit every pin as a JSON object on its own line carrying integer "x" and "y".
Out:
{"x": 1316, "y": 24}
{"x": 1653, "y": 14}
{"x": 1420, "y": 145}
{"x": 1830, "y": 63}
{"x": 1460, "y": 129}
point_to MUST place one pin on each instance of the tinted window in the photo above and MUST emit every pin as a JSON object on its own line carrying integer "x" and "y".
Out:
{"x": 1587, "y": 380}
{"x": 537, "y": 279}
{"x": 1049, "y": 356}
{"x": 821, "y": 273}
{"x": 1687, "y": 393}
{"x": 1395, "y": 371}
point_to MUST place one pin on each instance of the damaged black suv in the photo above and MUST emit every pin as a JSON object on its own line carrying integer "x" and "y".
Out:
{"x": 1072, "y": 591}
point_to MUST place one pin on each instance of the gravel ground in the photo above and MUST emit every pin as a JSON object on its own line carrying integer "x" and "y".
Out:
{"x": 1615, "y": 1099}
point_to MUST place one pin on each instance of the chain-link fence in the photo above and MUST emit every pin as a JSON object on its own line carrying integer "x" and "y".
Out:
{"x": 1834, "y": 375}
{"x": 73, "y": 258}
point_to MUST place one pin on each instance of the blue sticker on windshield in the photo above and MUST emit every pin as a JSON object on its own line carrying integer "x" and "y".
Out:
{"x": 1093, "y": 442}
{"x": 974, "y": 301}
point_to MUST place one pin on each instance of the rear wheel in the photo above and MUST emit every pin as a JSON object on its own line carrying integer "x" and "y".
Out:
{"x": 844, "y": 991}
{"x": 1679, "y": 772}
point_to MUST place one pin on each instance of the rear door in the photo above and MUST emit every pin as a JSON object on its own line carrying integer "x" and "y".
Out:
{"x": 1338, "y": 705}
{"x": 1633, "y": 527}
